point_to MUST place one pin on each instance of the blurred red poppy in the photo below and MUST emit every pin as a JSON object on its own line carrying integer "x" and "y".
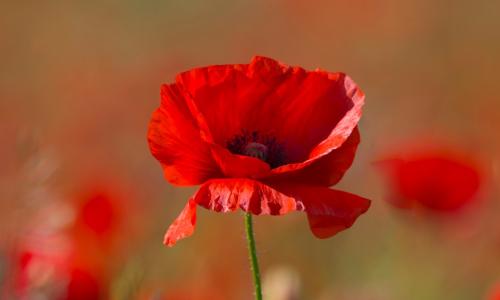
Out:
{"x": 83, "y": 285}
{"x": 67, "y": 248}
{"x": 99, "y": 214}
{"x": 264, "y": 137}
{"x": 438, "y": 179}
{"x": 52, "y": 268}
{"x": 103, "y": 212}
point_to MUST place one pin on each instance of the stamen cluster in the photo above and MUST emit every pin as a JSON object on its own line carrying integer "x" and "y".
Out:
{"x": 261, "y": 146}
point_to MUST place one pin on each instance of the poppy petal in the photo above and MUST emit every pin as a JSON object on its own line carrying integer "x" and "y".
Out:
{"x": 225, "y": 98}
{"x": 348, "y": 122}
{"x": 174, "y": 140}
{"x": 326, "y": 171}
{"x": 434, "y": 176}
{"x": 328, "y": 211}
{"x": 353, "y": 103}
{"x": 225, "y": 195}
{"x": 239, "y": 166}
{"x": 183, "y": 226}
{"x": 317, "y": 116}
{"x": 439, "y": 183}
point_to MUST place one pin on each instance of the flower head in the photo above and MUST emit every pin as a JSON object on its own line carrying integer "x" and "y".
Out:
{"x": 52, "y": 265}
{"x": 438, "y": 179}
{"x": 263, "y": 137}
{"x": 98, "y": 213}
{"x": 69, "y": 247}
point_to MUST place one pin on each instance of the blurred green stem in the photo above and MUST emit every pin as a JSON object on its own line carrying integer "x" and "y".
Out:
{"x": 254, "y": 264}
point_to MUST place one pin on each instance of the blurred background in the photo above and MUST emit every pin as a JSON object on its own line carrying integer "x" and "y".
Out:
{"x": 84, "y": 206}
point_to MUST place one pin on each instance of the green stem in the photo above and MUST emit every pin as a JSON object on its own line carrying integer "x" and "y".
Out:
{"x": 254, "y": 264}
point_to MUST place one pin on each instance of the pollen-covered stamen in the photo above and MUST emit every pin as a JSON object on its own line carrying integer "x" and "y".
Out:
{"x": 254, "y": 144}
{"x": 256, "y": 150}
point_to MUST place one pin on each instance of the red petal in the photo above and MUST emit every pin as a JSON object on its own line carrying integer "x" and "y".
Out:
{"x": 326, "y": 171}
{"x": 318, "y": 115}
{"x": 431, "y": 174}
{"x": 83, "y": 285}
{"x": 225, "y": 98}
{"x": 329, "y": 211}
{"x": 225, "y": 195}
{"x": 350, "y": 104}
{"x": 239, "y": 166}
{"x": 438, "y": 183}
{"x": 183, "y": 226}
{"x": 274, "y": 99}
{"x": 174, "y": 139}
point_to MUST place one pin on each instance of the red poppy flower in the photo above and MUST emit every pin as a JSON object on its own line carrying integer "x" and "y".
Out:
{"x": 83, "y": 285}
{"x": 100, "y": 207}
{"x": 98, "y": 213}
{"x": 438, "y": 179}
{"x": 50, "y": 269}
{"x": 69, "y": 257}
{"x": 263, "y": 137}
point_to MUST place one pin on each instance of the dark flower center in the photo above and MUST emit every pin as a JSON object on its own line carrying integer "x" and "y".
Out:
{"x": 254, "y": 144}
{"x": 256, "y": 150}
